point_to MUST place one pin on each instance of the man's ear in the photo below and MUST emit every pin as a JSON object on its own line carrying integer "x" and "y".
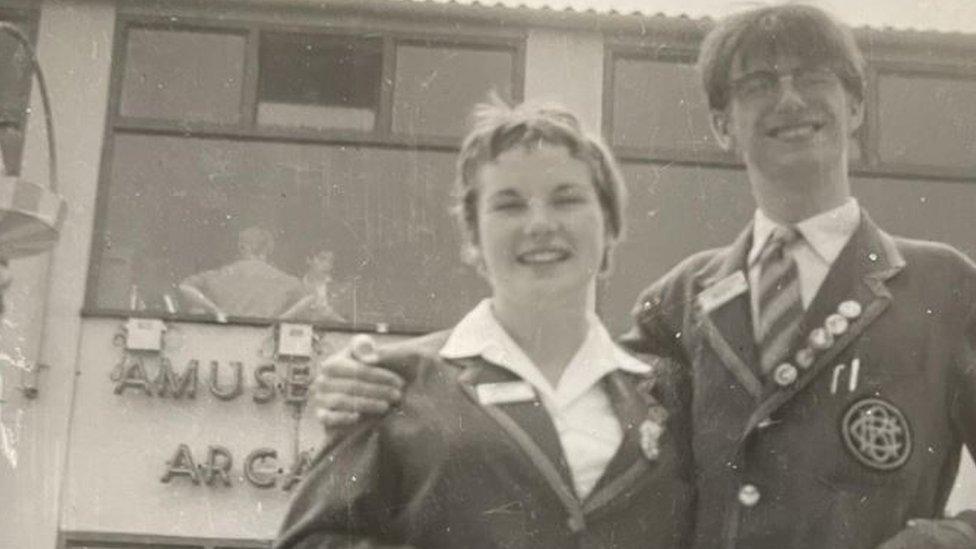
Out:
{"x": 720, "y": 129}
{"x": 856, "y": 108}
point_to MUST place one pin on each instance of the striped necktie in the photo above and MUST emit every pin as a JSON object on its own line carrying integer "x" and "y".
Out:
{"x": 780, "y": 306}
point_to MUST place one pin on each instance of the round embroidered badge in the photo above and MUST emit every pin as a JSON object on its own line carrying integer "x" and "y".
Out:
{"x": 877, "y": 434}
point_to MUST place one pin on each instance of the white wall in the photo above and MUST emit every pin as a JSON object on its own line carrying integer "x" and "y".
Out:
{"x": 566, "y": 67}
{"x": 74, "y": 49}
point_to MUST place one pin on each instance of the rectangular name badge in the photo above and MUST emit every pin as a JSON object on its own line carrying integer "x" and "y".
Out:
{"x": 505, "y": 392}
{"x": 723, "y": 291}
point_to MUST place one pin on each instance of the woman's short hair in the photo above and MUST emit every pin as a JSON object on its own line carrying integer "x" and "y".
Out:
{"x": 790, "y": 30}
{"x": 498, "y": 128}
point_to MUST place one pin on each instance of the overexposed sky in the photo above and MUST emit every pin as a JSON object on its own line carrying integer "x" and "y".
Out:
{"x": 939, "y": 15}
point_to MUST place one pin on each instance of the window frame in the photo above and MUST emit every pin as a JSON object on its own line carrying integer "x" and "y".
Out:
{"x": 669, "y": 51}
{"x": 878, "y": 69}
{"x": 886, "y": 52}
{"x": 28, "y": 19}
{"x": 68, "y": 539}
{"x": 246, "y": 129}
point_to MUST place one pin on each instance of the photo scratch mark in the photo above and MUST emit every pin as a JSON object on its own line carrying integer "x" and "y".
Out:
{"x": 10, "y": 437}
{"x": 510, "y": 507}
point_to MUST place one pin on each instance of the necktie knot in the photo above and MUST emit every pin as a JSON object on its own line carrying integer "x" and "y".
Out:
{"x": 784, "y": 235}
{"x": 780, "y": 239}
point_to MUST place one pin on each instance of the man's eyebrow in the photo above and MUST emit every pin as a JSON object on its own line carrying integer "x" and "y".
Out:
{"x": 504, "y": 193}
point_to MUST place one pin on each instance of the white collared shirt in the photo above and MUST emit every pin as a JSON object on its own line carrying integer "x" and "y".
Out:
{"x": 824, "y": 236}
{"x": 585, "y": 421}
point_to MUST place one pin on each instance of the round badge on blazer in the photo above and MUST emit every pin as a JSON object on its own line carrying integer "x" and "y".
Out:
{"x": 804, "y": 357}
{"x": 784, "y": 374}
{"x": 877, "y": 434}
{"x": 849, "y": 309}
{"x": 820, "y": 339}
{"x": 837, "y": 324}
{"x": 650, "y": 433}
{"x": 749, "y": 495}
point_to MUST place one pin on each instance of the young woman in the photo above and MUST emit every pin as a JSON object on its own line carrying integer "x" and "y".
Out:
{"x": 524, "y": 425}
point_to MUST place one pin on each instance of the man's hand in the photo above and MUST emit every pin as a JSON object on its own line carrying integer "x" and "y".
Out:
{"x": 349, "y": 385}
{"x": 933, "y": 534}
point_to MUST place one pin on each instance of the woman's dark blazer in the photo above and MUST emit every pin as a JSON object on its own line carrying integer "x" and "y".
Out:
{"x": 442, "y": 470}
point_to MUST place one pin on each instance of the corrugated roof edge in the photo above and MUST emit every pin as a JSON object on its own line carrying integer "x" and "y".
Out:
{"x": 611, "y": 10}
{"x": 502, "y": 13}
{"x": 495, "y": 13}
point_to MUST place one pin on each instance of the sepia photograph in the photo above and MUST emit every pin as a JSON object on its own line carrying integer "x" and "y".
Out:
{"x": 487, "y": 274}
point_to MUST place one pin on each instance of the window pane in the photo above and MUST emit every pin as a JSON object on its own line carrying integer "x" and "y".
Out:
{"x": 659, "y": 105}
{"x": 14, "y": 85}
{"x": 318, "y": 81}
{"x": 926, "y": 209}
{"x": 673, "y": 212}
{"x": 177, "y": 207}
{"x": 182, "y": 75}
{"x": 436, "y": 87}
{"x": 927, "y": 121}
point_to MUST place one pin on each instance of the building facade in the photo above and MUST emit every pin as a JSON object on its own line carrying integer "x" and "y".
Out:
{"x": 291, "y": 161}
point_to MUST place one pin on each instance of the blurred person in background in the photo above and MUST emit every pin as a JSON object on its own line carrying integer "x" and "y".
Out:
{"x": 247, "y": 287}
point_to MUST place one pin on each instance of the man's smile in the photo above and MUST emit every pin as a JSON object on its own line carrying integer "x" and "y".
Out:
{"x": 543, "y": 256}
{"x": 795, "y": 131}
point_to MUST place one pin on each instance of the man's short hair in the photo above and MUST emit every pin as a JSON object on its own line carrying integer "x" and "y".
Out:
{"x": 790, "y": 30}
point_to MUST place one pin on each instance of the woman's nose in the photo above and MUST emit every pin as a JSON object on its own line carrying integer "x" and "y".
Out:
{"x": 541, "y": 218}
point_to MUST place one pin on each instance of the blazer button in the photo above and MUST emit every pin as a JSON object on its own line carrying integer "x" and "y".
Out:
{"x": 575, "y": 524}
{"x": 749, "y": 495}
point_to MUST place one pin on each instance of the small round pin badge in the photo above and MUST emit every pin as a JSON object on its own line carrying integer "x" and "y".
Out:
{"x": 650, "y": 433}
{"x": 820, "y": 339}
{"x": 784, "y": 374}
{"x": 837, "y": 324}
{"x": 804, "y": 357}
{"x": 849, "y": 309}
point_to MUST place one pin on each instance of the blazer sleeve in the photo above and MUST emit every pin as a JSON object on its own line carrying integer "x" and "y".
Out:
{"x": 657, "y": 318}
{"x": 348, "y": 499}
{"x": 963, "y": 402}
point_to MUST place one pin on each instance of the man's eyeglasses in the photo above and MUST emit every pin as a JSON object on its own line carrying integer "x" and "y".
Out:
{"x": 758, "y": 84}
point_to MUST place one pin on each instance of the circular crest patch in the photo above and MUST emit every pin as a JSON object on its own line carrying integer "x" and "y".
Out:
{"x": 877, "y": 434}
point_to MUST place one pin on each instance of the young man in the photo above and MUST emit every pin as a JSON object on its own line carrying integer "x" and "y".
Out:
{"x": 833, "y": 366}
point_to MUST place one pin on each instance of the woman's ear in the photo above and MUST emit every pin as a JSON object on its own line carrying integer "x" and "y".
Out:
{"x": 471, "y": 255}
{"x": 606, "y": 262}
{"x": 721, "y": 119}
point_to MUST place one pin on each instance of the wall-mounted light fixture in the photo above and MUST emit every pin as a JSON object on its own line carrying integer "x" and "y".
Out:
{"x": 31, "y": 214}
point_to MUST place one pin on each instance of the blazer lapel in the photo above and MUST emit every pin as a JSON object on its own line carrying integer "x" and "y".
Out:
{"x": 727, "y": 323}
{"x": 529, "y": 426}
{"x": 859, "y": 274}
{"x": 634, "y": 405}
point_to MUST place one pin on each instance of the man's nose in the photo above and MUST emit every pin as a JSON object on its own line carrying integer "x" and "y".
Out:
{"x": 788, "y": 96}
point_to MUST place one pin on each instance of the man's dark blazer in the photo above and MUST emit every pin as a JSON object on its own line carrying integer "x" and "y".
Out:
{"x": 866, "y": 437}
{"x": 443, "y": 470}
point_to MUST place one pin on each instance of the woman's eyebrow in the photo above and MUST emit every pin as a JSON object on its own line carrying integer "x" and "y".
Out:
{"x": 570, "y": 186}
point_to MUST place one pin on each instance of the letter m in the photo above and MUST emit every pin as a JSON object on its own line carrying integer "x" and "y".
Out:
{"x": 169, "y": 383}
